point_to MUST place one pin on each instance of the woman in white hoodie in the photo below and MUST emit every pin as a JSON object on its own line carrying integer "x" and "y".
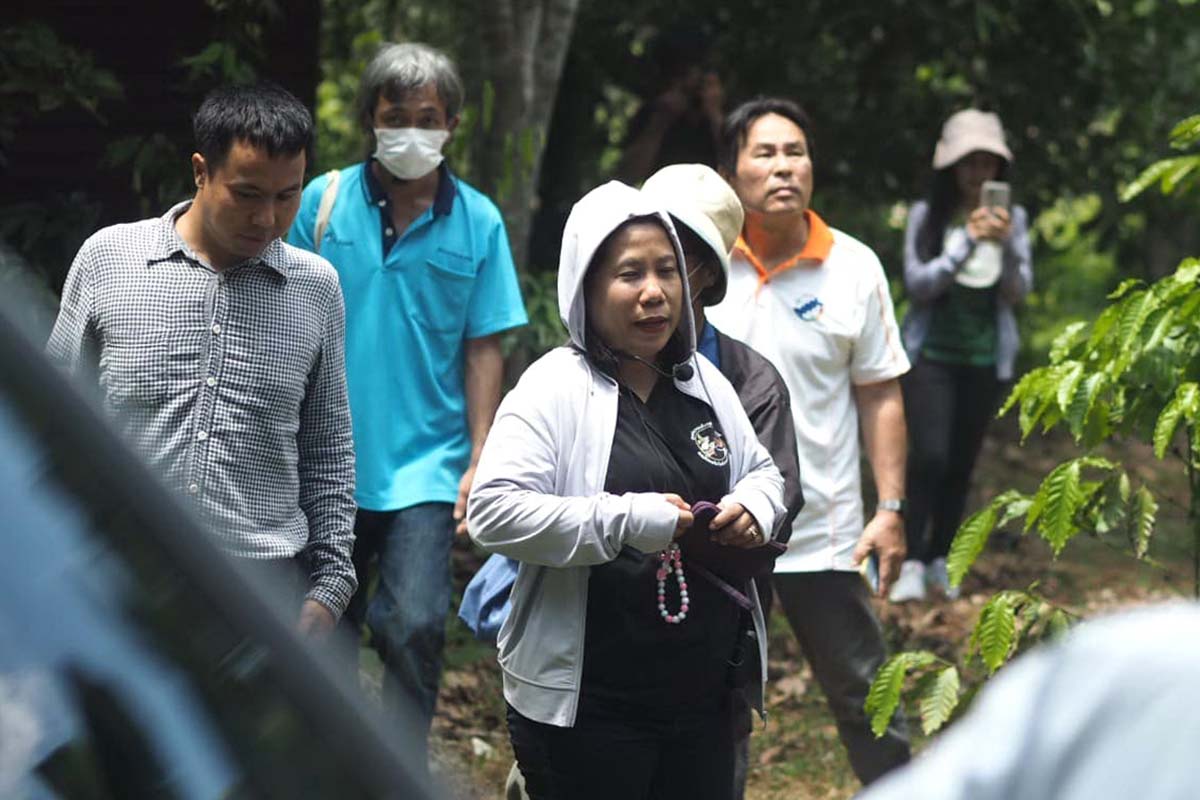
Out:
{"x": 617, "y": 653}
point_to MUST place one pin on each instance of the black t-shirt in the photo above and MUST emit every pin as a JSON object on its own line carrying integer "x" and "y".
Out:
{"x": 631, "y": 656}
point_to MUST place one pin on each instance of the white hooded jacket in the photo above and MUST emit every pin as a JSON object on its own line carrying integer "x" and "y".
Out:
{"x": 539, "y": 497}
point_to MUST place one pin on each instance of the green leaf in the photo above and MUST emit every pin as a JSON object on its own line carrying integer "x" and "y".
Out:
{"x": 1065, "y": 340}
{"x": 1068, "y": 382}
{"x": 1137, "y": 308}
{"x": 1019, "y": 392}
{"x": 1183, "y": 167}
{"x": 1017, "y": 508}
{"x": 1112, "y": 502}
{"x": 1184, "y": 403}
{"x": 1162, "y": 322}
{"x": 1100, "y": 343}
{"x": 1083, "y": 401}
{"x": 969, "y": 542}
{"x": 1186, "y": 132}
{"x": 1054, "y": 506}
{"x": 940, "y": 700}
{"x": 1126, "y": 286}
{"x": 1150, "y": 175}
{"x": 995, "y": 633}
{"x": 883, "y": 697}
{"x": 1038, "y": 392}
{"x": 972, "y": 535}
{"x": 1144, "y": 511}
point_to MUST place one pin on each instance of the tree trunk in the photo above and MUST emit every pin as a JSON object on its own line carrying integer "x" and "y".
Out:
{"x": 525, "y": 44}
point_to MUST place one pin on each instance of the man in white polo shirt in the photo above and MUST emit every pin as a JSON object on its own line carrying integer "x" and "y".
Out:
{"x": 815, "y": 302}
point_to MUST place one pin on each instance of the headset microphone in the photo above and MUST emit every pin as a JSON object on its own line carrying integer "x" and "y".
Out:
{"x": 679, "y": 372}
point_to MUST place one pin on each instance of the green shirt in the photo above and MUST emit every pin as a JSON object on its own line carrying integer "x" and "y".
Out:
{"x": 963, "y": 327}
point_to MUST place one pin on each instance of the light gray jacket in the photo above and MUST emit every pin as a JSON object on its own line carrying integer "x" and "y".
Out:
{"x": 926, "y": 281}
{"x": 539, "y": 496}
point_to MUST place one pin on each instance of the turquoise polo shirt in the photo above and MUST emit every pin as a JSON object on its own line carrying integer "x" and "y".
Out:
{"x": 412, "y": 297}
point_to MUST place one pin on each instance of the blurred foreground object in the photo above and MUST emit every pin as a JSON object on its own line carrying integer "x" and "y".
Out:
{"x": 135, "y": 659}
{"x": 1109, "y": 713}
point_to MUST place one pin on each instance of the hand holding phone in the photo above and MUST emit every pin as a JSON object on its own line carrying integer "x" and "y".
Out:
{"x": 995, "y": 194}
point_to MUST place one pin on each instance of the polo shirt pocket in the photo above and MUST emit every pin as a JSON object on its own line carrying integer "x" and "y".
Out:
{"x": 443, "y": 293}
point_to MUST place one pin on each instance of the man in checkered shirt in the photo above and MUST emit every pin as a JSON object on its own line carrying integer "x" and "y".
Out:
{"x": 219, "y": 350}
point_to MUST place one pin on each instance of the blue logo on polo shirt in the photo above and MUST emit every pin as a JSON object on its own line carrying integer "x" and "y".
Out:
{"x": 810, "y": 308}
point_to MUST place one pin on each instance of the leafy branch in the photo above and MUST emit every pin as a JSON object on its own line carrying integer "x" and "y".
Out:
{"x": 1132, "y": 373}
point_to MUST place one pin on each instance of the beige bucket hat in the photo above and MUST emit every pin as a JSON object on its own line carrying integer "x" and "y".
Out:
{"x": 967, "y": 131}
{"x": 699, "y": 198}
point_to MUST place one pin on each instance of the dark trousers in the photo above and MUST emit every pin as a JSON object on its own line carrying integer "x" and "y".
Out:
{"x": 407, "y": 612}
{"x": 831, "y": 615}
{"x": 743, "y": 715}
{"x": 947, "y": 407}
{"x": 609, "y": 755}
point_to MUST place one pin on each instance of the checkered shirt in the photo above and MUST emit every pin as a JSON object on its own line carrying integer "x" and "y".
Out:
{"x": 231, "y": 384}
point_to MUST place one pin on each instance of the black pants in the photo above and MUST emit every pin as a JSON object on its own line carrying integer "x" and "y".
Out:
{"x": 608, "y": 755}
{"x": 831, "y": 615}
{"x": 947, "y": 407}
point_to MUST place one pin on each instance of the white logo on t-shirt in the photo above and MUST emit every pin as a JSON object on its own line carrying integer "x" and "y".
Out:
{"x": 710, "y": 444}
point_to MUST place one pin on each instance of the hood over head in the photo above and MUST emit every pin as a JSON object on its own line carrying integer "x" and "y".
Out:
{"x": 593, "y": 219}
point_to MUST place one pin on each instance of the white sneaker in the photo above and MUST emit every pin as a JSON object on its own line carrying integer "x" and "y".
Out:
{"x": 911, "y": 583}
{"x": 939, "y": 581}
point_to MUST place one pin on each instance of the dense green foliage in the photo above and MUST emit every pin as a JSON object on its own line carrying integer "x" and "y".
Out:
{"x": 1131, "y": 374}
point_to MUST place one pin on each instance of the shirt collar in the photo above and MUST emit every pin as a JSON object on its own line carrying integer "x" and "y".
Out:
{"x": 443, "y": 201}
{"x": 816, "y": 248}
{"x": 170, "y": 242}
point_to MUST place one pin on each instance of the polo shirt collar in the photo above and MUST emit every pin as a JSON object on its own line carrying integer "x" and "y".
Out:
{"x": 816, "y": 249}
{"x": 443, "y": 201}
{"x": 169, "y": 243}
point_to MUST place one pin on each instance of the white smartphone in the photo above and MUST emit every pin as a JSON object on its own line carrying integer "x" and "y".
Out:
{"x": 995, "y": 194}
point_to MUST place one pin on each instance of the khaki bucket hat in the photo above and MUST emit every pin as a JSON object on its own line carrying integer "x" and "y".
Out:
{"x": 699, "y": 198}
{"x": 967, "y": 131}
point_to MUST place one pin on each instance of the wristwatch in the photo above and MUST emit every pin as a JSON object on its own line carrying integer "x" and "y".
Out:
{"x": 897, "y": 504}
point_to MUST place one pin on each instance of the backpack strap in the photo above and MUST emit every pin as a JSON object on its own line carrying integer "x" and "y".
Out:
{"x": 325, "y": 209}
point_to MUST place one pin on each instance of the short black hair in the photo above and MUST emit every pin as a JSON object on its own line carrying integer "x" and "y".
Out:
{"x": 738, "y": 122}
{"x": 263, "y": 114}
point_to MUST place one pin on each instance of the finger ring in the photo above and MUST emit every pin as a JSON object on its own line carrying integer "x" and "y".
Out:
{"x": 755, "y": 533}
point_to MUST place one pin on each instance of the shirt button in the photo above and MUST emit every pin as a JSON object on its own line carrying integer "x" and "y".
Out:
{"x": 381, "y": 203}
{"x": 390, "y": 231}
{"x": 211, "y": 381}
{"x": 216, "y": 328}
{"x": 201, "y": 436}
{"x": 193, "y": 488}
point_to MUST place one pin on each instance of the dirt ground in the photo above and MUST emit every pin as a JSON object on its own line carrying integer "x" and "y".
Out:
{"x": 797, "y": 754}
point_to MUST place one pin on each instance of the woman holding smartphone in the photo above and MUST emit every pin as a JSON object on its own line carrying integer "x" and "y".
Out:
{"x": 966, "y": 266}
{"x": 617, "y": 653}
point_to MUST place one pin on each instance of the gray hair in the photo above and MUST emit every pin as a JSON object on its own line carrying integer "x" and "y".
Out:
{"x": 398, "y": 69}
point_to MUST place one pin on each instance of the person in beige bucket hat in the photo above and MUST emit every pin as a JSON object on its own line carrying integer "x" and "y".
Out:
{"x": 968, "y": 131}
{"x": 695, "y": 195}
{"x": 708, "y": 217}
{"x": 965, "y": 268}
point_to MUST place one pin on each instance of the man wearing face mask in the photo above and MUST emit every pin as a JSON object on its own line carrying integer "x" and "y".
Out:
{"x": 429, "y": 285}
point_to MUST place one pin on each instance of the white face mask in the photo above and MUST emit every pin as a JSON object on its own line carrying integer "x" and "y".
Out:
{"x": 409, "y": 153}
